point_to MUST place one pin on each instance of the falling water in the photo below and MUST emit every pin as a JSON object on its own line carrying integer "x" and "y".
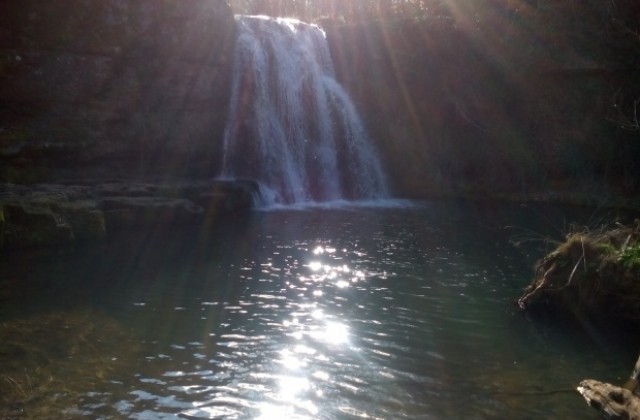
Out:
{"x": 291, "y": 126}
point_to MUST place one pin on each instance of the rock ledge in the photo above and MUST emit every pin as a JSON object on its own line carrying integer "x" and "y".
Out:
{"x": 47, "y": 215}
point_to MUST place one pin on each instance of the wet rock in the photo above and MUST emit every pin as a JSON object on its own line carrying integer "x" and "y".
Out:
{"x": 125, "y": 212}
{"x": 31, "y": 224}
{"x": 87, "y": 222}
{"x": 225, "y": 197}
{"x": 51, "y": 214}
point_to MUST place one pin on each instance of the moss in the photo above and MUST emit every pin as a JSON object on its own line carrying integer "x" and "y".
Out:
{"x": 607, "y": 249}
{"x": 630, "y": 256}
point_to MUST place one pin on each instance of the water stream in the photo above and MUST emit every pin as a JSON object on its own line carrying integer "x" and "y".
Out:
{"x": 403, "y": 313}
{"x": 291, "y": 126}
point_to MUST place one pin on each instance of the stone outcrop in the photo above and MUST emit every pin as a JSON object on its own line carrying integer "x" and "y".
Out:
{"x": 112, "y": 87}
{"x": 59, "y": 215}
{"x": 483, "y": 110}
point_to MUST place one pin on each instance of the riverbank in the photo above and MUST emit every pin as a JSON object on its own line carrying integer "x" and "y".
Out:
{"x": 592, "y": 279}
{"x": 593, "y": 273}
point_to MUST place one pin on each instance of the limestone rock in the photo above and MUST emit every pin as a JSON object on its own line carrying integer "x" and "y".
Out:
{"x": 30, "y": 225}
{"x": 49, "y": 215}
{"x": 125, "y": 212}
{"x": 113, "y": 86}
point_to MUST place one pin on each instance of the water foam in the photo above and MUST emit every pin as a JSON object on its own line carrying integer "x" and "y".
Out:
{"x": 292, "y": 127}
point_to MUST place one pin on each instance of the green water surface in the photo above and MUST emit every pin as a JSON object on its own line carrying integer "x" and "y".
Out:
{"x": 343, "y": 313}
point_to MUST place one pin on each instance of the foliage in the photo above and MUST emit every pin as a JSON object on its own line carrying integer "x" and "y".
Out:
{"x": 630, "y": 256}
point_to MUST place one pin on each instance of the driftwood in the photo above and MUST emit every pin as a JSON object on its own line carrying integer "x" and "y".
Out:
{"x": 612, "y": 401}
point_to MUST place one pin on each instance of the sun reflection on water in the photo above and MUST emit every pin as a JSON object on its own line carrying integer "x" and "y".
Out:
{"x": 314, "y": 331}
{"x": 287, "y": 324}
{"x": 333, "y": 334}
{"x": 315, "y": 265}
{"x": 276, "y": 350}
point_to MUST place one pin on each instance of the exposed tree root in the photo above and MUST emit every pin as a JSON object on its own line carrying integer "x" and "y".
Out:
{"x": 597, "y": 273}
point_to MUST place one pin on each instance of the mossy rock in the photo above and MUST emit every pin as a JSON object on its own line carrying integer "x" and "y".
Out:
{"x": 87, "y": 222}
{"x": 52, "y": 215}
{"x": 31, "y": 225}
{"x": 49, "y": 221}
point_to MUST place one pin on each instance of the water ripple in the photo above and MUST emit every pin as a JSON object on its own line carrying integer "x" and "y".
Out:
{"x": 394, "y": 314}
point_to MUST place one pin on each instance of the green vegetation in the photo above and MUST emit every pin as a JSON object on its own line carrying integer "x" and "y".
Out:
{"x": 630, "y": 256}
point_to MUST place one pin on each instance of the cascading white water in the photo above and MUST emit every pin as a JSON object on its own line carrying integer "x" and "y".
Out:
{"x": 291, "y": 126}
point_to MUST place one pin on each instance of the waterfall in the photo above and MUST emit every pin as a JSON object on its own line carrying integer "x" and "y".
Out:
{"x": 291, "y": 126}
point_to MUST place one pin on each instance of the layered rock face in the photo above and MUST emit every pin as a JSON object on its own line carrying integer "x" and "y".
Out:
{"x": 112, "y": 87}
{"x": 459, "y": 110}
{"x": 55, "y": 215}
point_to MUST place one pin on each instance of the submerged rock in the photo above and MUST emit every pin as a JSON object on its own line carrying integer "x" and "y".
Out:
{"x": 52, "y": 214}
{"x": 48, "y": 361}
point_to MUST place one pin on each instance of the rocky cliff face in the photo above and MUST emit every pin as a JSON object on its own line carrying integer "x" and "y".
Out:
{"x": 478, "y": 112}
{"x": 112, "y": 88}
